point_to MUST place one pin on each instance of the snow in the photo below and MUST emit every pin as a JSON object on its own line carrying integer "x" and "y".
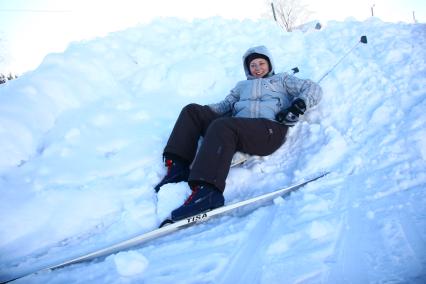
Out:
{"x": 82, "y": 139}
{"x": 130, "y": 263}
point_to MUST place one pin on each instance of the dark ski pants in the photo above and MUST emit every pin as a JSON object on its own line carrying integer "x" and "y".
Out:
{"x": 223, "y": 136}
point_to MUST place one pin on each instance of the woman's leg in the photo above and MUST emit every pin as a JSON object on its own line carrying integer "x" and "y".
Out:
{"x": 192, "y": 123}
{"x": 224, "y": 137}
{"x": 181, "y": 147}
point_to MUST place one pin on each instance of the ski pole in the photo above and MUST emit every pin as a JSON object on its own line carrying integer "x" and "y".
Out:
{"x": 362, "y": 40}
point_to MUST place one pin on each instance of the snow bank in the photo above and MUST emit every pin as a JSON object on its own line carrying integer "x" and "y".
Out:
{"x": 82, "y": 138}
{"x": 130, "y": 263}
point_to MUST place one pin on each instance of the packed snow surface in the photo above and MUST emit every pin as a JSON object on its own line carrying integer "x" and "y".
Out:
{"x": 81, "y": 149}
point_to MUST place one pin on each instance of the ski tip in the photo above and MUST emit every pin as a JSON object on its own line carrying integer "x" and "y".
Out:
{"x": 166, "y": 222}
{"x": 323, "y": 174}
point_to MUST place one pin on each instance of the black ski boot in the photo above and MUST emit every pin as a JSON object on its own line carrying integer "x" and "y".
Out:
{"x": 204, "y": 197}
{"x": 177, "y": 171}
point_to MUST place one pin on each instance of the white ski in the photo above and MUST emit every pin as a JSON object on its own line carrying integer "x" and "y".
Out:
{"x": 165, "y": 230}
{"x": 239, "y": 158}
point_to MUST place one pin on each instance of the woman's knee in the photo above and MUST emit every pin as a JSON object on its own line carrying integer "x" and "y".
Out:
{"x": 221, "y": 124}
{"x": 192, "y": 108}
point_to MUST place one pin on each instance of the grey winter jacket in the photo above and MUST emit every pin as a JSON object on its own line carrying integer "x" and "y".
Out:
{"x": 265, "y": 97}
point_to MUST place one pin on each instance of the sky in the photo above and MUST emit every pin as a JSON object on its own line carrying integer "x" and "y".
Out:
{"x": 30, "y": 29}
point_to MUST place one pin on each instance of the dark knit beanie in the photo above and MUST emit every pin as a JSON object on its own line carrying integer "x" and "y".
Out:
{"x": 253, "y": 56}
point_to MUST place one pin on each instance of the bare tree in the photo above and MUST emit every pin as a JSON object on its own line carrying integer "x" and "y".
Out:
{"x": 2, "y": 79}
{"x": 290, "y": 13}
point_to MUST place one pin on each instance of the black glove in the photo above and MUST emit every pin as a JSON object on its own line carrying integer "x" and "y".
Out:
{"x": 290, "y": 116}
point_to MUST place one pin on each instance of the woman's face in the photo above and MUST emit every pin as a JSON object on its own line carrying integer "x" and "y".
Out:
{"x": 259, "y": 67}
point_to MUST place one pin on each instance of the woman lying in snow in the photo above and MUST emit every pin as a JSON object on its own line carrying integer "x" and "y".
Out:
{"x": 253, "y": 118}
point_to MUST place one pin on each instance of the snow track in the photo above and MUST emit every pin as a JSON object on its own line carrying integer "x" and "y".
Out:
{"x": 379, "y": 241}
{"x": 246, "y": 261}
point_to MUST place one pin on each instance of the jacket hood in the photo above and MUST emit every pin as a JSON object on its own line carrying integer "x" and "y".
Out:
{"x": 261, "y": 50}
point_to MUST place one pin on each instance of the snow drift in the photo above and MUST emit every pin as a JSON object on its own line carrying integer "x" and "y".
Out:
{"x": 82, "y": 137}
